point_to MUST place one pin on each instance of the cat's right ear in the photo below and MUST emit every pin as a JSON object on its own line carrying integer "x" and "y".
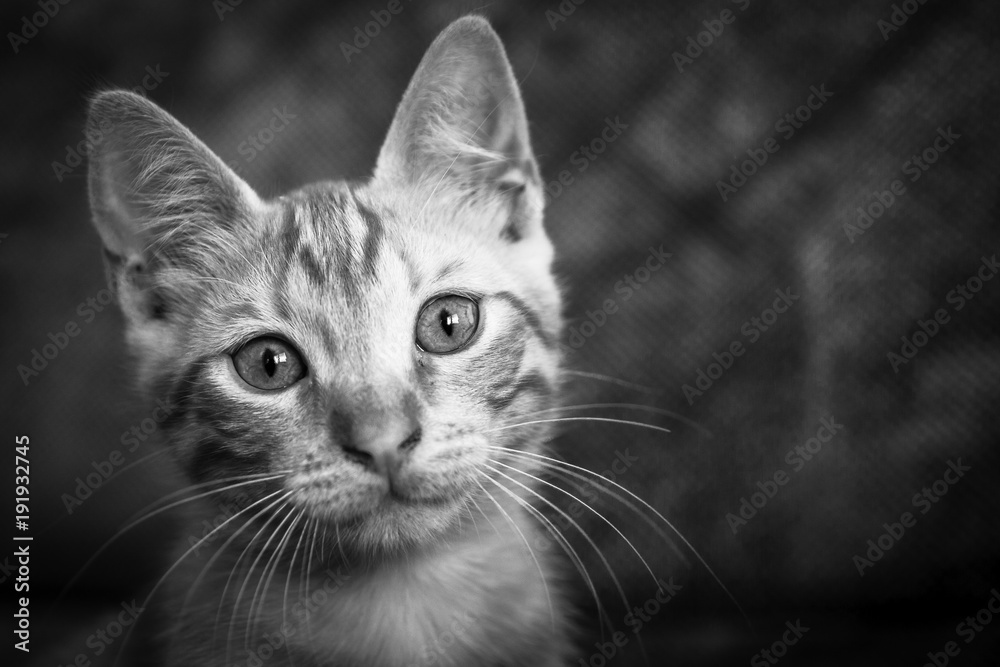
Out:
{"x": 161, "y": 200}
{"x": 461, "y": 125}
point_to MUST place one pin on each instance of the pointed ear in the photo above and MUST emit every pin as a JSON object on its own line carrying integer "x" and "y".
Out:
{"x": 161, "y": 200}
{"x": 461, "y": 125}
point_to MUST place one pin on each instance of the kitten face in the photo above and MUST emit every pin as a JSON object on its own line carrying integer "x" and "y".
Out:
{"x": 367, "y": 344}
{"x": 387, "y": 429}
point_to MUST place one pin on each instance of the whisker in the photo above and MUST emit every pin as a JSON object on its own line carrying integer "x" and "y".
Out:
{"x": 340, "y": 544}
{"x": 472, "y": 518}
{"x": 291, "y": 568}
{"x": 580, "y": 419}
{"x": 579, "y": 500}
{"x": 485, "y": 516}
{"x": 173, "y": 567}
{"x": 569, "y": 468}
{"x": 249, "y": 479}
{"x": 283, "y": 497}
{"x": 55, "y": 522}
{"x": 560, "y": 470}
{"x": 611, "y": 380}
{"x": 225, "y": 545}
{"x": 276, "y": 559}
{"x": 590, "y": 541}
{"x": 146, "y": 517}
{"x": 625, "y": 406}
{"x": 531, "y": 552}
{"x": 568, "y": 549}
{"x": 308, "y": 570}
{"x": 246, "y": 579}
{"x": 123, "y": 469}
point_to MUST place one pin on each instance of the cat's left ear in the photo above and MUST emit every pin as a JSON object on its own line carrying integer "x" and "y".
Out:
{"x": 461, "y": 125}
{"x": 163, "y": 204}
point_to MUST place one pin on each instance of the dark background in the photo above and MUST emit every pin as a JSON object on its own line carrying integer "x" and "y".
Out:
{"x": 226, "y": 73}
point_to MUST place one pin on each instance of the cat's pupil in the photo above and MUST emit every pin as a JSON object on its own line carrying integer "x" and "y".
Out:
{"x": 271, "y": 361}
{"x": 448, "y": 322}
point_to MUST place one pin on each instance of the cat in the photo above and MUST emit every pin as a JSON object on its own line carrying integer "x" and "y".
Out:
{"x": 354, "y": 368}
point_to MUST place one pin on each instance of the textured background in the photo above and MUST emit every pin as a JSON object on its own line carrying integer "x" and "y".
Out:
{"x": 224, "y": 74}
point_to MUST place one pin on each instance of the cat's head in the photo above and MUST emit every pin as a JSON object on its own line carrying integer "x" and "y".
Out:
{"x": 367, "y": 342}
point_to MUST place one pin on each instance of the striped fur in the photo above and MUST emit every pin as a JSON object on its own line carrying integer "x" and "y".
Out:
{"x": 341, "y": 272}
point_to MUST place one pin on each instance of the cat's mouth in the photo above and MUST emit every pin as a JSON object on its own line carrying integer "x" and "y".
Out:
{"x": 379, "y": 516}
{"x": 394, "y": 497}
{"x": 359, "y": 496}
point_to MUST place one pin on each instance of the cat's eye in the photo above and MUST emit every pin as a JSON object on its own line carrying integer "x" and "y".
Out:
{"x": 447, "y": 323}
{"x": 269, "y": 363}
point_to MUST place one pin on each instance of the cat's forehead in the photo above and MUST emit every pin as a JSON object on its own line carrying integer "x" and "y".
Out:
{"x": 341, "y": 237}
{"x": 335, "y": 236}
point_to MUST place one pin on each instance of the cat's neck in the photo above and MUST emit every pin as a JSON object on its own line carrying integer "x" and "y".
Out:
{"x": 454, "y": 598}
{"x": 479, "y": 587}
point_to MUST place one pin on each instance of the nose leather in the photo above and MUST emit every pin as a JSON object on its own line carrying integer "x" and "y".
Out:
{"x": 385, "y": 438}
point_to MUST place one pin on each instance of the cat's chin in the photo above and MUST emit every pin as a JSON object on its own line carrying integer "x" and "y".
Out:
{"x": 389, "y": 522}
{"x": 398, "y": 525}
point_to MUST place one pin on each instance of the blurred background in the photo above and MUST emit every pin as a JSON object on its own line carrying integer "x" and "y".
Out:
{"x": 820, "y": 341}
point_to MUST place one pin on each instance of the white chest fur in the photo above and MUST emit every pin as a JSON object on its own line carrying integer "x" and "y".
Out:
{"x": 479, "y": 602}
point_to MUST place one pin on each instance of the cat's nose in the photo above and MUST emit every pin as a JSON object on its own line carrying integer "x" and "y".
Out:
{"x": 382, "y": 442}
